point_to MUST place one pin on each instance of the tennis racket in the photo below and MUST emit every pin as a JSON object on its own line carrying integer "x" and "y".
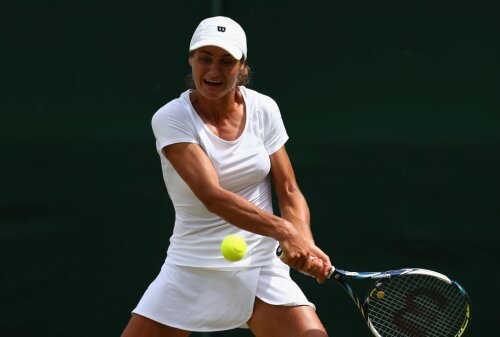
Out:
{"x": 408, "y": 302}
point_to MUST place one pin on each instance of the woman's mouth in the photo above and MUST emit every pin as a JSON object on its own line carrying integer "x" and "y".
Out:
{"x": 212, "y": 83}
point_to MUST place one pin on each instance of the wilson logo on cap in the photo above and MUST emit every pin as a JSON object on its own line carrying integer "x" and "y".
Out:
{"x": 221, "y": 29}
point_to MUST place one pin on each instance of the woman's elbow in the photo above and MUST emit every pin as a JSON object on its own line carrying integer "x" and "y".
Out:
{"x": 212, "y": 200}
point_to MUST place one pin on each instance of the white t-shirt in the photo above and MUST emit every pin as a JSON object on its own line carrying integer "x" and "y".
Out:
{"x": 242, "y": 166}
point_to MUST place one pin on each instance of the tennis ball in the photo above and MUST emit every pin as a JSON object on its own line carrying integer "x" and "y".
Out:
{"x": 233, "y": 247}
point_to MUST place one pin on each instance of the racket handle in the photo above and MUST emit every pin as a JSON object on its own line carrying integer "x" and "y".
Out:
{"x": 279, "y": 252}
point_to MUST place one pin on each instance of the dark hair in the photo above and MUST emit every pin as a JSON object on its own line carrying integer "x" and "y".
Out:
{"x": 243, "y": 76}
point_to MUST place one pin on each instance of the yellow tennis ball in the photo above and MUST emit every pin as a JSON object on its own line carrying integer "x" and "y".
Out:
{"x": 233, "y": 247}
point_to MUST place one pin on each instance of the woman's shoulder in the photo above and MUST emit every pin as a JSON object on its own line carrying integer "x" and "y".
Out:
{"x": 258, "y": 99}
{"x": 175, "y": 108}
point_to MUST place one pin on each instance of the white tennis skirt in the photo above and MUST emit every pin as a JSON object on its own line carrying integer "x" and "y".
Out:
{"x": 200, "y": 299}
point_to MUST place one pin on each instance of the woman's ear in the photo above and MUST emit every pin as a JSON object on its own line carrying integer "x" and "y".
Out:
{"x": 190, "y": 58}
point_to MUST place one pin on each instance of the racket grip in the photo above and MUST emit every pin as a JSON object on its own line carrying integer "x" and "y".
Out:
{"x": 279, "y": 252}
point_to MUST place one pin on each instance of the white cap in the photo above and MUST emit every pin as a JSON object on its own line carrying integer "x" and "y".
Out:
{"x": 222, "y": 32}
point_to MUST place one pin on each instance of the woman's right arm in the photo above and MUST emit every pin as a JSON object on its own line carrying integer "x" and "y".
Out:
{"x": 196, "y": 169}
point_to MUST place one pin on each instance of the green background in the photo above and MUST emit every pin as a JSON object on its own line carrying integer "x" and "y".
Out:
{"x": 392, "y": 108}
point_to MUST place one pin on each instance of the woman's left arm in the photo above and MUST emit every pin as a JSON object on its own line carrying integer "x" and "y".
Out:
{"x": 293, "y": 207}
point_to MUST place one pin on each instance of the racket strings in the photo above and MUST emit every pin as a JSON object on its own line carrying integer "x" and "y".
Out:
{"x": 416, "y": 306}
{"x": 415, "y": 314}
{"x": 419, "y": 315}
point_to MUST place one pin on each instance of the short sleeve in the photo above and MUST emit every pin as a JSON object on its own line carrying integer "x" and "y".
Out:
{"x": 172, "y": 124}
{"x": 275, "y": 135}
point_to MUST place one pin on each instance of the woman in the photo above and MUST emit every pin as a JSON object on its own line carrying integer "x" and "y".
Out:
{"x": 221, "y": 146}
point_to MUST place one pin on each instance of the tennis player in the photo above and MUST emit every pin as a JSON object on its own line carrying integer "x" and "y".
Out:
{"x": 222, "y": 147}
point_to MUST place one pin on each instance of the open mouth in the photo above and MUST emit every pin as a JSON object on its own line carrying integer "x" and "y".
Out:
{"x": 212, "y": 83}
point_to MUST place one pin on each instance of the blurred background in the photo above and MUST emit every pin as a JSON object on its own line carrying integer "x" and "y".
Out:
{"x": 392, "y": 108}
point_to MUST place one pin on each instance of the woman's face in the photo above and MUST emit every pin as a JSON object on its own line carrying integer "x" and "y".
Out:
{"x": 215, "y": 71}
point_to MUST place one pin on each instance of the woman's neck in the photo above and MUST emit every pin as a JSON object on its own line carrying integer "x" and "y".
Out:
{"x": 214, "y": 111}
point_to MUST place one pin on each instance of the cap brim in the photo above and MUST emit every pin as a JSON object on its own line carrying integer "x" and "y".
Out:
{"x": 230, "y": 48}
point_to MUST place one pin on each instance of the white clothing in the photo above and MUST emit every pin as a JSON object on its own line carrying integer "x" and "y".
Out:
{"x": 242, "y": 166}
{"x": 196, "y": 289}
{"x": 201, "y": 299}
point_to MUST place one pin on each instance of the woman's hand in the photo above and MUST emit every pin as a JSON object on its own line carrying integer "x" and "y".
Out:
{"x": 303, "y": 255}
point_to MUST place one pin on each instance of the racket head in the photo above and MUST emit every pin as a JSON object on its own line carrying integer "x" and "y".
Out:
{"x": 417, "y": 303}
